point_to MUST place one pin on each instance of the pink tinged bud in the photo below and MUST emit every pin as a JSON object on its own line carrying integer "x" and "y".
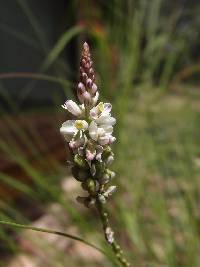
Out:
{"x": 95, "y": 98}
{"x": 80, "y": 97}
{"x": 86, "y": 96}
{"x": 86, "y": 47}
{"x": 83, "y": 61}
{"x": 81, "y": 87}
{"x": 104, "y": 140}
{"x": 89, "y": 155}
{"x": 87, "y": 65}
{"x": 112, "y": 139}
{"x": 91, "y": 71}
{"x": 94, "y": 89}
{"x": 99, "y": 151}
{"x": 89, "y": 83}
{"x": 72, "y": 144}
{"x": 84, "y": 76}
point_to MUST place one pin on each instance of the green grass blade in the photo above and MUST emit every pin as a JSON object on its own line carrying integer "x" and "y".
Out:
{"x": 55, "y": 232}
{"x": 59, "y": 46}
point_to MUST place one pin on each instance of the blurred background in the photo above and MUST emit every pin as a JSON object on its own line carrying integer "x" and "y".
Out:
{"x": 146, "y": 56}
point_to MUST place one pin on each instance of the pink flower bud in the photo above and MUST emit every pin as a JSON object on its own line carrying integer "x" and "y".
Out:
{"x": 89, "y": 83}
{"x": 89, "y": 155}
{"x": 84, "y": 76}
{"x": 80, "y": 97}
{"x": 83, "y": 61}
{"x": 87, "y": 65}
{"x": 86, "y": 96}
{"x": 81, "y": 87}
{"x": 94, "y": 89}
{"x": 91, "y": 71}
{"x": 112, "y": 139}
{"x": 72, "y": 144}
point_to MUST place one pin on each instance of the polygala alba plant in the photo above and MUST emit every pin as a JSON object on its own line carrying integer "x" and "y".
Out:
{"x": 89, "y": 137}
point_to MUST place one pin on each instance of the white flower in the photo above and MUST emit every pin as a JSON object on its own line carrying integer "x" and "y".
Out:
{"x": 109, "y": 235}
{"x": 110, "y": 160}
{"x": 77, "y": 142}
{"x": 73, "y": 108}
{"x": 93, "y": 151}
{"x": 111, "y": 189}
{"x": 99, "y": 151}
{"x": 102, "y": 134}
{"x": 95, "y": 98}
{"x": 101, "y": 114}
{"x": 71, "y": 127}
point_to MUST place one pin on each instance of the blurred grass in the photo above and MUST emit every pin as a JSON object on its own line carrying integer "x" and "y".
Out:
{"x": 157, "y": 163}
{"x": 138, "y": 51}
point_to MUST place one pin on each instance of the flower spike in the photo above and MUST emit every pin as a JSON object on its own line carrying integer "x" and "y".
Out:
{"x": 89, "y": 136}
{"x": 86, "y": 89}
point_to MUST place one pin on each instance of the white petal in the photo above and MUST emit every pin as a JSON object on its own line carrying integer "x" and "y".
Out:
{"x": 110, "y": 190}
{"x": 94, "y": 113}
{"x": 72, "y": 107}
{"x": 106, "y": 119}
{"x": 85, "y": 125}
{"x": 93, "y": 130}
{"x": 104, "y": 140}
{"x": 101, "y": 131}
{"x": 95, "y": 98}
{"x": 107, "y": 108}
{"x": 68, "y": 129}
{"x": 110, "y": 160}
{"x": 99, "y": 150}
{"x": 107, "y": 128}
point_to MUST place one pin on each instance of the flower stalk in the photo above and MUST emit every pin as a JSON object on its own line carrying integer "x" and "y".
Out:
{"x": 89, "y": 136}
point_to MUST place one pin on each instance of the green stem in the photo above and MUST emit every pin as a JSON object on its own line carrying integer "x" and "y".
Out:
{"x": 52, "y": 232}
{"x": 106, "y": 225}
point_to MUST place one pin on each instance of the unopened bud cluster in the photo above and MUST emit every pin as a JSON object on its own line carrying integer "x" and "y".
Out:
{"x": 89, "y": 136}
{"x": 87, "y": 89}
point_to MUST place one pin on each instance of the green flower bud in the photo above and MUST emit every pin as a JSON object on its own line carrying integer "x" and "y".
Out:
{"x": 102, "y": 199}
{"x": 79, "y": 174}
{"x": 106, "y": 176}
{"x": 110, "y": 173}
{"x": 91, "y": 186}
{"x": 80, "y": 162}
{"x": 84, "y": 186}
{"x": 86, "y": 201}
{"x": 107, "y": 152}
{"x": 100, "y": 167}
{"x": 110, "y": 190}
{"x": 104, "y": 179}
